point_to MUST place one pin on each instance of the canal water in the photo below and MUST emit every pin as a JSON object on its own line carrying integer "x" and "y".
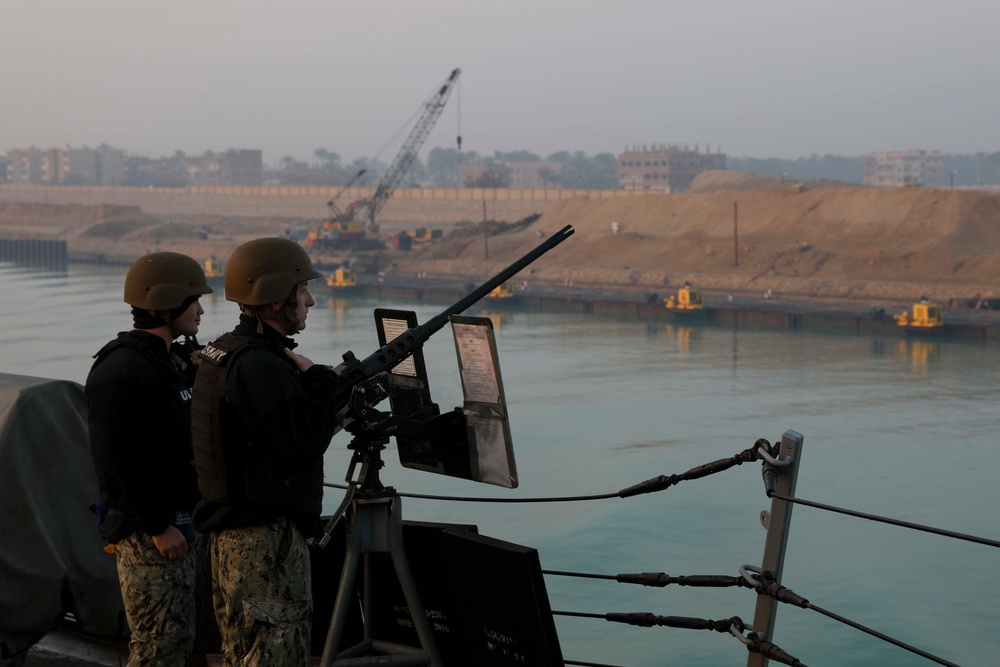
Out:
{"x": 896, "y": 427}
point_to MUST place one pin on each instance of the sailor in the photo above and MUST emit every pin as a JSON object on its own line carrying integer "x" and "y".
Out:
{"x": 139, "y": 418}
{"x": 263, "y": 416}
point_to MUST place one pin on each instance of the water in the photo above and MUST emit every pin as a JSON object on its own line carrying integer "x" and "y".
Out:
{"x": 894, "y": 427}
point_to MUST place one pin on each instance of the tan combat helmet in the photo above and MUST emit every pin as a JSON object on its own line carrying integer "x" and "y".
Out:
{"x": 266, "y": 271}
{"x": 163, "y": 281}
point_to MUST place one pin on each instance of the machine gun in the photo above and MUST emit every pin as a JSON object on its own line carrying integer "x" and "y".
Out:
{"x": 373, "y": 511}
{"x": 354, "y": 371}
{"x": 363, "y": 384}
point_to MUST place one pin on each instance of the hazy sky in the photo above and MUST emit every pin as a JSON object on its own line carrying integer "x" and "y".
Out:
{"x": 764, "y": 78}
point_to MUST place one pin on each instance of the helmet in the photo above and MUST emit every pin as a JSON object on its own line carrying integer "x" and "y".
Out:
{"x": 266, "y": 271}
{"x": 163, "y": 281}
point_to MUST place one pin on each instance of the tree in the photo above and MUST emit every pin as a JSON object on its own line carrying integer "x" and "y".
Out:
{"x": 374, "y": 170}
{"x": 516, "y": 156}
{"x": 330, "y": 170}
{"x": 605, "y": 176}
{"x": 838, "y": 168}
{"x": 415, "y": 176}
{"x": 491, "y": 178}
{"x": 548, "y": 175}
{"x": 442, "y": 166}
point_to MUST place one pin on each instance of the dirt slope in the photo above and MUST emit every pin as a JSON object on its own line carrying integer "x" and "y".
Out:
{"x": 837, "y": 242}
{"x": 127, "y": 232}
{"x": 801, "y": 241}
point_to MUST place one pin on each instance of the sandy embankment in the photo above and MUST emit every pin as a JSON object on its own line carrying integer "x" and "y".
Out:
{"x": 839, "y": 243}
{"x": 800, "y": 242}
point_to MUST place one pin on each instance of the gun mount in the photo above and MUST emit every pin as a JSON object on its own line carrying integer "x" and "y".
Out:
{"x": 353, "y": 370}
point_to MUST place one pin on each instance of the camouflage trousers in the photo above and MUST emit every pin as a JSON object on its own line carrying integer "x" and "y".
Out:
{"x": 159, "y": 597}
{"x": 262, "y": 594}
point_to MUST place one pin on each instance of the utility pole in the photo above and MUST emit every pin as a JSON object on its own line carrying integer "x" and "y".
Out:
{"x": 736, "y": 235}
{"x": 486, "y": 232}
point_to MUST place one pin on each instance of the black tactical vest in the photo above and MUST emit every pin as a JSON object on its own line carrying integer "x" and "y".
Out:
{"x": 208, "y": 410}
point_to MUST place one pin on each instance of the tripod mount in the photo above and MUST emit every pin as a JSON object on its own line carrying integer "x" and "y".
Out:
{"x": 374, "y": 525}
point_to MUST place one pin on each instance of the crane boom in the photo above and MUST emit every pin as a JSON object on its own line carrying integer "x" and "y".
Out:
{"x": 411, "y": 147}
{"x": 348, "y": 229}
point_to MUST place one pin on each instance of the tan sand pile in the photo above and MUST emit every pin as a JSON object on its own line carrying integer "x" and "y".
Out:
{"x": 63, "y": 220}
{"x": 800, "y": 241}
{"x": 724, "y": 180}
{"x": 127, "y": 232}
{"x": 853, "y": 242}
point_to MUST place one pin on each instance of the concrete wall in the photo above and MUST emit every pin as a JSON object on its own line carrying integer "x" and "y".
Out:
{"x": 407, "y": 205}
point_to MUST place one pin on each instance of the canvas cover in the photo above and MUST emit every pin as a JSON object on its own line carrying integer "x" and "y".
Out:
{"x": 52, "y": 559}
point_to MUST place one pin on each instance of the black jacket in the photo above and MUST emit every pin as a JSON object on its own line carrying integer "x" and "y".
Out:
{"x": 275, "y": 425}
{"x": 139, "y": 419}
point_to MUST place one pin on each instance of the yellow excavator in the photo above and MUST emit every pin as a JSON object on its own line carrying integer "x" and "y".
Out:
{"x": 424, "y": 235}
{"x": 503, "y": 291}
{"x": 213, "y": 268}
{"x": 922, "y": 316}
{"x": 342, "y": 277}
{"x": 213, "y": 272}
{"x": 687, "y": 298}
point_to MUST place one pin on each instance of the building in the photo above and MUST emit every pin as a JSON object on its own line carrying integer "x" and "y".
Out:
{"x": 484, "y": 174}
{"x": 234, "y": 167}
{"x": 243, "y": 167}
{"x": 516, "y": 175}
{"x": 76, "y": 166}
{"x": 112, "y": 166}
{"x": 905, "y": 168}
{"x": 32, "y": 166}
{"x": 156, "y": 172}
{"x": 666, "y": 167}
{"x": 66, "y": 166}
{"x": 534, "y": 175}
{"x": 90, "y": 166}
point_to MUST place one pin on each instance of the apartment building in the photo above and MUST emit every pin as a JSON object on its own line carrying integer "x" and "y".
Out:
{"x": 516, "y": 175}
{"x": 905, "y": 168}
{"x": 33, "y": 166}
{"x": 666, "y": 167}
{"x": 66, "y": 166}
{"x": 233, "y": 167}
{"x": 484, "y": 174}
{"x": 534, "y": 175}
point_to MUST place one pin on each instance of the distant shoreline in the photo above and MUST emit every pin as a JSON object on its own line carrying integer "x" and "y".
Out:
{"x": 737, "y": 309}
{"x": 743, "y": 312}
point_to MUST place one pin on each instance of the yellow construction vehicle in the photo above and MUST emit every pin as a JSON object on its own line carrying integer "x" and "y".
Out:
{"x": 503, "y": 291}
{"x": 423, "y": 235}
{"x": 922, "y": 316}
{"x": 687, "y": 298}
{"x": 342, "y": 277}
{"x": 213, "y": 272}
{"x": 213, "y": 268}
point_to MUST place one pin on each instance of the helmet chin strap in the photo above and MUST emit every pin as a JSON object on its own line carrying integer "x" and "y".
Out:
{"x": 289, "y": 314}
{"x": 286, "y": 314}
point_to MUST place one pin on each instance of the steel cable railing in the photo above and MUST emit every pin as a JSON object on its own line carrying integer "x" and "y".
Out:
{"x": 763, "y": 583}
{"x": 895, "y": 522}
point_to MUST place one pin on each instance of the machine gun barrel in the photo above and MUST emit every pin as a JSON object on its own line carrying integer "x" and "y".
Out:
{"x": 398, "y": 349}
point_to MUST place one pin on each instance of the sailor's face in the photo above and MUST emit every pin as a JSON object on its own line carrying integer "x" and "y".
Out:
{"x": 303, "y": 302}
{"x": 189, "y": 321}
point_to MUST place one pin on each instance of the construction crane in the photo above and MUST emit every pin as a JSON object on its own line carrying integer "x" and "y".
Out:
{"x": 333, "y": 202}
{"x": 343, "y": 229}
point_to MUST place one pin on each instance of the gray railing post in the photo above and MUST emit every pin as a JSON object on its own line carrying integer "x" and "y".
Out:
{"x": 777, "y": 522}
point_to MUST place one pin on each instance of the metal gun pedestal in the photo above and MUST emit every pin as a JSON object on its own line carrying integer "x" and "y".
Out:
{"x": 375, "y": 525}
